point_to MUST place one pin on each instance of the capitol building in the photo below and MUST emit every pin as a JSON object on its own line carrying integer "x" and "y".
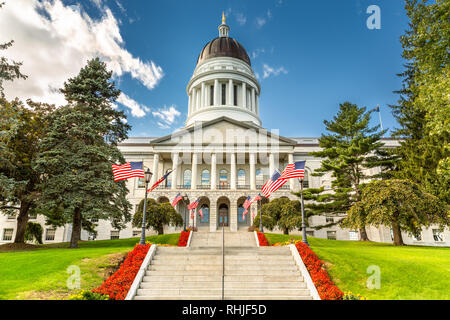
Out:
{"x": 221, "y": 156}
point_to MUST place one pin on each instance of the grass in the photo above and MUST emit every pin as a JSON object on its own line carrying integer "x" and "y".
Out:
{"x": 41, "y": 273}
{"x": 407, "y": 272}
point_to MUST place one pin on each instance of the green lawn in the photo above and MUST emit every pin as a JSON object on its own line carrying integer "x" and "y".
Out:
{"x": 41, "y": 273}
{"x": 409, "y": 272}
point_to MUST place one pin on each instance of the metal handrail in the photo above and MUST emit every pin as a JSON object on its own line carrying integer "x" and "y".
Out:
{"x": 223, "y": 261}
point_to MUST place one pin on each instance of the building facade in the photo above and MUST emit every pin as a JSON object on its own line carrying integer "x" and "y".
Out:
{"x": 221, "y": 156}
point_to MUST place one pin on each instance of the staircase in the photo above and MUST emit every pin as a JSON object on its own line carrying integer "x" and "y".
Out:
{"x": 250, "y": 272}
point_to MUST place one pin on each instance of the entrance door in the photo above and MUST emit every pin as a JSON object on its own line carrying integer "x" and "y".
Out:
{"x": 223, "y": 215}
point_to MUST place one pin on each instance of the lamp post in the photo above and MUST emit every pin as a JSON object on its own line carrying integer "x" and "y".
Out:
{"x": 185, "y": 201}
{"x": 304, "y": 237}
{"x": 260, "y": 217}
{"x": 148, "y": 176}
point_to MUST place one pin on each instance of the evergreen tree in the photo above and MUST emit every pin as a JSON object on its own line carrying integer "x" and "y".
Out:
{"x": 77, "y": 153}
{"x": 349, "y": 149}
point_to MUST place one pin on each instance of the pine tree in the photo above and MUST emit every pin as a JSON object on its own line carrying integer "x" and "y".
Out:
{"x": 77, "y": 153}
{"x": 349, "y": 149}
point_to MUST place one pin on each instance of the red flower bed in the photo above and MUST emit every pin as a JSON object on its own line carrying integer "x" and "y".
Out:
{"x": 262, "y": 240}
{"x": 118, "y": 284}
{"x": 325, "y": 286}
{"x": 184, "y": 237}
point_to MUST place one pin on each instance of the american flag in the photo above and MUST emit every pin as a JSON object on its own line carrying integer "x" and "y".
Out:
{"x": 164, "y": 177}
{"x": 177, "y": 199}
{"x": 194, "y": 204}
{"x": 200, "y": 212}
{"x": 294, "y": 170}
{"x": 128, "y": 170}
{"x": 273, "y": 184}
{"x": 258, "y": 197}
{"x": 246, "y": 205}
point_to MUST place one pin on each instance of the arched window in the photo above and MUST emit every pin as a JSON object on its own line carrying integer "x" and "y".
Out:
{"x": 205, "y": 177}
{"x": 306, "y": 180}
{"x": 205, "y": 211}
{"x": 241, "y": 217}
{"x": 187, "y": 178}
{"x": 168, "y": 181}
{"x": 241, "y": 177}
{"x": 223, "y": 178}
{"x": 259, "y": 177}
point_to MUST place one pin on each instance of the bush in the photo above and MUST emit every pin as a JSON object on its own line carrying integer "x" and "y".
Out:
{"x": 253, "y": 228}
{"x": 88, "y": 295}
{"x": 33, "y": 232}
{"x": 350, "y": 296}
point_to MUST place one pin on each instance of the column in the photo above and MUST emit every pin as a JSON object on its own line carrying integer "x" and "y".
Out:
{"x": 291, "y": 181}
{"x": 233, "y": 171}
{"x": 213, "y": 171}
{"x": 194, "y": 100}
{"x": 213, "y": 215}
{"x": 190, "y": 103}
{"x": 233, "y": 215}
{"x": 252, "y": 161}
{"x": 175, "y": 159}
{"x": 244, "y": 95}
{"x": 194, "y": 171}
{"x": 203, "y": 97}
{"x": 155, "y": 169}
{"x": 271, "y": 164}
{"x": 230, "y": 92}
{"x": 216, "y": 93}
{"x": 253, "y": 103}
{"x": 257, "y": 105}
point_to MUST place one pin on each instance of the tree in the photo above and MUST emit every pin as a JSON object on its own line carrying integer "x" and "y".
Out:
{"x": 23, "y": 127}
{"x": 9, "y": 70}
{"x": 399, "y": 203}
{"x": 76, "y": 155}
{"x": 157, "y": 216}
{"x": 282, "y": 213}
{"x": 423, "y": 108}
{"x": 349, "y": 148}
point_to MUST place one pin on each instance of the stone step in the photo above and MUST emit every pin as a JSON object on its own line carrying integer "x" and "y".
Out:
{"x": 252, "y": 268}
{"x": 228, "y": 258}
{"x": 228, "y": 261}
{"x": 218, "y": 284}
{"x": 218, "y": 291}
{"x": 150, "y": 277}
{"x": 217, "y": 272}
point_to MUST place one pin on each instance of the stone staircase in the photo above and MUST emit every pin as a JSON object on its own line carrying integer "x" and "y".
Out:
{"x": 250, "y": 273}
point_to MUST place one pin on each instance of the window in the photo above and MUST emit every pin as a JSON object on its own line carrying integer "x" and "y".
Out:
{"x": 7, "y": 234}
{"x": 205, "y": 211}
{"x": 168, "y": 181}
{"x": 32, "y": 216}
{"x": 92, "y": 236}
{"x": 205, "y": 177}
{"x": 136, "y": 233}
{"x": 241, "y": 177}
{"x": 353, "y": 235}
{"x": 11, "y": 216}
{"x": 224, "y": 94}
{"x": 223, "y": 178}
{"x": 187, "y": 178}
{"x": 235, "y": 95}
{"x": 306, "y": 180}
{"x": 141, "y": 183}
{"x": 211, "y": 95}
{"x": 241, "y": 218}
{"x": 310, "y": 233}
{"x": 331, "y": 235}
{"x": 437, "y": 235}
{"x": 114, "y": 234}
{"x": 259, "y": 177}
{"x": 329, "y": 219}
{"x": 94, "y": 220}
{"x": 50, "y": 234}
{"x": 417, "y": 237}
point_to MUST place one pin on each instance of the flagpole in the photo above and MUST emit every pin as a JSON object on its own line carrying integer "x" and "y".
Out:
{"x": 304, "y": 237}
{"x": 260, "y": 217}
{"x": 147, "y": 178}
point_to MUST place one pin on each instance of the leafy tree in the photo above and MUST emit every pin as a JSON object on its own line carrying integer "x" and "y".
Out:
{"x": 399, "y": 203}
{"x": 423, "y": 108}
{"x": 349, "y": 148}
{"x": 282, "y": 213}
{"x": 33, "y": 232}
{"x": 77, "y": 153}
{"x": 9, "y": 70}
{"x": 22, "y": 127}
{"x": 157, "y": 216}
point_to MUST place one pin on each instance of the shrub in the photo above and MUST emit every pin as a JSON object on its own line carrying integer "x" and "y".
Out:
{"x": 253, "y": 228}
{"x": 118, "y": 284}
{"x": 33, "y": 232}
{"x": 262, "y": 240}
{"x": 184, "y": 237}
{"x": 350, "y": 296}
{"x": 88, "y": 295}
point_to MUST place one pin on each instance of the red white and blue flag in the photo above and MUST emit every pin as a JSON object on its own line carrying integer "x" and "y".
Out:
{"x": 128, "y": 170}
{"x": 294, "y": 170}
{"x": 177, "y": 199}
{"x": 164, "y": 177}
{"x": 200, "y": 212}
{"x": 246, "y": 205}
{"x": 192, "y": 207}
{"x": 273, "y": 184}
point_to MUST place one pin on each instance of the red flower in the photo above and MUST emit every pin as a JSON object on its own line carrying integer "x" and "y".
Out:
{"x": 184, "y": 237}
{"x": 262, "y": 240}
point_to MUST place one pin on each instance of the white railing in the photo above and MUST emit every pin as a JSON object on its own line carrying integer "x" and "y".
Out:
{"x": 309, "y": 283}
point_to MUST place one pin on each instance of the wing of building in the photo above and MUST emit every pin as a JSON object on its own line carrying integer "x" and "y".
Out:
{"x": 222, "y": 155}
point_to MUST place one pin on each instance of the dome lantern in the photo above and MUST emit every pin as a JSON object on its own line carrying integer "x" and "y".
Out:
{"x": 223, "y": 28}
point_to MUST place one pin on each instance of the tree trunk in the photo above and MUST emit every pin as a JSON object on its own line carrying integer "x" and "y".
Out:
{"x": 398, "y": 239}
{"x": 160, "y": 230}
{"x": 285, "y": 231}
{"x": 363, "y": 234}
{"x": 76, "y": 228}
{"x": 22, "y": 220}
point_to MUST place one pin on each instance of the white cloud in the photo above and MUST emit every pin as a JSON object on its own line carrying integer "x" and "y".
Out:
{"x": 98, "y": 3}
{"x": 257, "y": 52}
{"x": 261, "y": 21}
{"x": 54, "y": 41}
{"x": 166, "y": 116}
{"x": 268, "y": 71}
{"x": 240, "y": 18}
{"x": 137, "y": 110}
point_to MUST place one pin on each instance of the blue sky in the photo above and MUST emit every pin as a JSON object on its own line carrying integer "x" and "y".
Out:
{"x": 321, "y": 53}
